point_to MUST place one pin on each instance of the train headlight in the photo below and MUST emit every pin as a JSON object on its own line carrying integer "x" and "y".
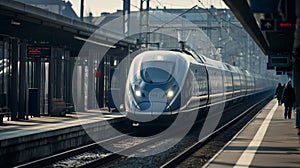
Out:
{"x": 170, "y": 93}
{"x": 138, "y": 93}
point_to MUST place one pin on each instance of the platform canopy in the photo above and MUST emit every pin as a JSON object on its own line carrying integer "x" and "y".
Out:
{"x": 271, "y": 23}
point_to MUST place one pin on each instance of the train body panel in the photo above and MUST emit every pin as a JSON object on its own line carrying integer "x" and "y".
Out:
{"x": 152, "y": 87}
{"x": 164, "y": 83}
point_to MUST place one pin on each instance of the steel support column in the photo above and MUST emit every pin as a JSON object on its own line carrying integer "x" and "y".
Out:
{"x": 68, "y": 72}
{"x": 58, "y": 73}
{"x": 296, "y": 60}
{"x": 90, "y": 81}
{"x": 51, "y": 81}
{"x": 22, "y": 83}
{"x": 126, "y": 17}
{"x": 296, "y": 80}
{"x": 14, "y": 80}
{"x": 144, "y": 22}
{"x": 37, "y": 84}
{"x": 83, "y": 81}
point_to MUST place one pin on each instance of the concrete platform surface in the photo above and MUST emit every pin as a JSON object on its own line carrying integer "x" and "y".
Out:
{"x": 268, "y": 141}
{"x": 12, "y": 129}
{"x": 27, "y": 140}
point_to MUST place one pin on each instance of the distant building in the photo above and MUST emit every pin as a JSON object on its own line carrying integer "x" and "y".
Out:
{"x": 231, "y": 41}
{"x": 104, "y": 17}
{"x": 57, "y": 6}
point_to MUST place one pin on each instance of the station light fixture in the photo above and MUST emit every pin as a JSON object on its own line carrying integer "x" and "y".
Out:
{"x": 14, "y": 22}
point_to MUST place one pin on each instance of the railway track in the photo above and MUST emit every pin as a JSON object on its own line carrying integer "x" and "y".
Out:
{"x": 48, "y": 161}
{"x": 198, "y": 145}
{"x": 94, "y": 155}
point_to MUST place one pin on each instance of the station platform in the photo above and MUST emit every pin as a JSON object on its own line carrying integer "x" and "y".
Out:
{"x": 26, "y": 140}
{"x": 34, "y": 125}
{"x": 267, "y": 141}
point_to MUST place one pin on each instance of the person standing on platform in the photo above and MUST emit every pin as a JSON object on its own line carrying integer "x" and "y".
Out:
{"x": 288, "y": 98}
{"x": 278, "y": 93}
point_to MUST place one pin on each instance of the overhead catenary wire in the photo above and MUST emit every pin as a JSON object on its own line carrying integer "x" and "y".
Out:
{"x": 159, "y": 3}
{"x": 188, "y": 10}
{"x": 167, "y": 22}
{"x": 162, "y": 26}
{"x": 217, "y": 19}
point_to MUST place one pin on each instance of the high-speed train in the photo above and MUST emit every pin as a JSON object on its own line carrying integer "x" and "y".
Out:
{"x": 161, "y": 84}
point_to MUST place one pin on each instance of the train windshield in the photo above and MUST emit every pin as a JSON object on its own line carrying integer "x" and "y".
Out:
{"x": 157, "y": 72}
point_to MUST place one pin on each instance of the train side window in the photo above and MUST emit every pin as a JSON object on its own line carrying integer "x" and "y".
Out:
{"x": 228, "y": 81}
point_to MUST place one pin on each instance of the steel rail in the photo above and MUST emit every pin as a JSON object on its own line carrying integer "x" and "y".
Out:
{"x": 192, "y": 149}
{"x": 67, "y": 154}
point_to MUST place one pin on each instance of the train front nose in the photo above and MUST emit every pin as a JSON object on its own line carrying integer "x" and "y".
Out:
{"x": 151, "y": 100}
{"x": 149, "y": 107}
{"x": 156, "y": 101}
{"x": 152, "y": 91}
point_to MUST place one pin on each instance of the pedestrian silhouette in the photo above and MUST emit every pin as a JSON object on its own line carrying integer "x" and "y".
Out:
{"x": 288, "y": 98}
{"x": 278, "y": 93}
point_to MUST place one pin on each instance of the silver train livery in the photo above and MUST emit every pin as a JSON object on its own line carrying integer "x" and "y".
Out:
{"x": 161, "y": 84}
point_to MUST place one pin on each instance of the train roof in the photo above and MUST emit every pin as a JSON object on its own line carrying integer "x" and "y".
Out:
{"x": 190, "y": 53}
{"x": 223, "y": 66}
{"x": 209, "y": 62}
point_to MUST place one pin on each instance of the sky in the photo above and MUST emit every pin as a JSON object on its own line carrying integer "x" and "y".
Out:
{"x": 98, "y": 6}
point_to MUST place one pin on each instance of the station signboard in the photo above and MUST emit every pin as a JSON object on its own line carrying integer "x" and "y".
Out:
{"x": 279, "y": 61}
{"x": 38, "y": 51}
{"x": 285, "y": 25}
{"x": 267, "y": 24}
{"x": 276, "y": 25}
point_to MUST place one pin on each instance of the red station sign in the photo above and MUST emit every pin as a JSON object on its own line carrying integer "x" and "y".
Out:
{"x": 38, "y": 51}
